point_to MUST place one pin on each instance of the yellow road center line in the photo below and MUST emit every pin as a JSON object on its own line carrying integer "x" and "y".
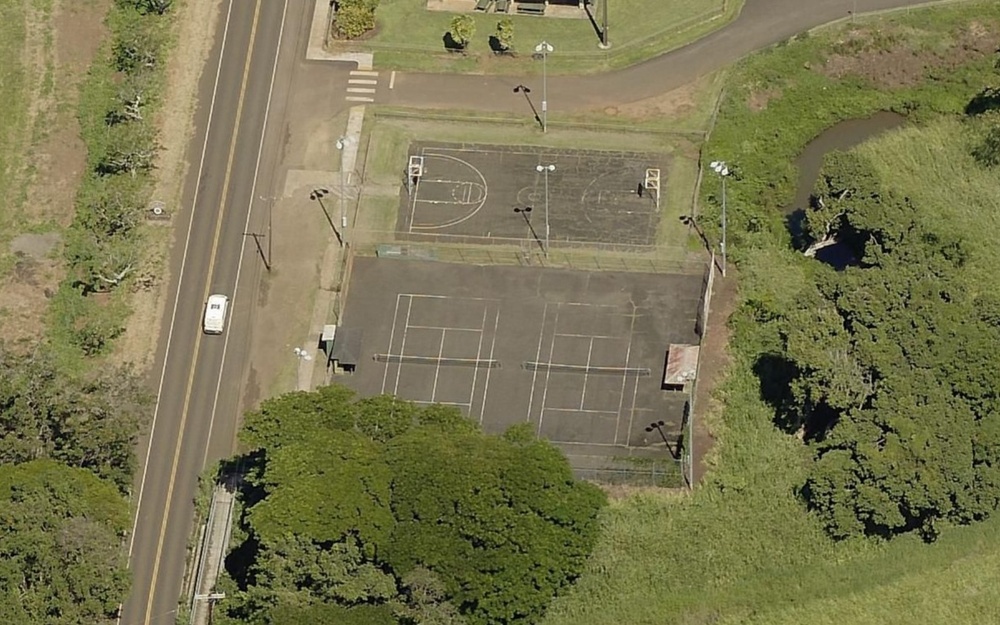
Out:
{"x": 197, "y": 343}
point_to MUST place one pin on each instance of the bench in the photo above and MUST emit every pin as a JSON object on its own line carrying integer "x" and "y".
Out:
{"x": 483, "y": 5}
{"x": 530, "y": 9}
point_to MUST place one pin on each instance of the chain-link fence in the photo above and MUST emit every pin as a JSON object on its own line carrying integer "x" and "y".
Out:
{"x": 663, "y": 474}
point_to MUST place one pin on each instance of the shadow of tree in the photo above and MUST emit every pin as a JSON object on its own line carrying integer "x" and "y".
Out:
{"x": 450, "y": 44}
{"x": 983, "y": 102}
{"x": 775, "y": 374}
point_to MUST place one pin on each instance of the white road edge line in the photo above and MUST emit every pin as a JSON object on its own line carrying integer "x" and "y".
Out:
{"x": 246, "y": 225}
{"x": 180, "y": 281}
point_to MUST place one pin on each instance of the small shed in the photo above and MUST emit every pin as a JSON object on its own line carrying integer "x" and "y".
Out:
{"x": 681, "y": 366}
{"x": 342, "y": 346}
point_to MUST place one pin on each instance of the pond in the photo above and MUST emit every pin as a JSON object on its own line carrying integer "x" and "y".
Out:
{"x": 841, "y": 136}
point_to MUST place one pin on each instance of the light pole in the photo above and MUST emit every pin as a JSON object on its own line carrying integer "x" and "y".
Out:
{"x": 270, "y": 209}
{"x": 546, "y": 169}
{"x": 545, "y": 48}
{"x": 342, "y": 144}
{"x": 722, "y": 169}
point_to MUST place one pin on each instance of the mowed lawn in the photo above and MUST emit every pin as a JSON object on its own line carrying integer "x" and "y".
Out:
{"x": 408, "y": 36}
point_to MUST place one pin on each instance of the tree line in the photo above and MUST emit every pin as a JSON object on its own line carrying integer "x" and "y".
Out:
{"x": 104, "y": 242}
{"x": 378, "y": 511}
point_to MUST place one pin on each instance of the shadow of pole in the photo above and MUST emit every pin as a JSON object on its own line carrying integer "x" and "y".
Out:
{"x": 525, "y": 90}
{"x": 317, "y": 195}
{"x": 524, "y": 213}
{"x": 690, "y": 222}
{"x": 260, "y": 248}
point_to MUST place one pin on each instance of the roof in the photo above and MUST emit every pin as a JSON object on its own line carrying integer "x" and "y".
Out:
{"x": 346, "y": 346}
{"x": 682, "y": 364}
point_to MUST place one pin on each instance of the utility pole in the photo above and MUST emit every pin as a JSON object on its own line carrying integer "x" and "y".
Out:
{"x": 546, "y": 169}
{"x": 604, "y": 31}
{"x": 723, "y": 170}
{"x": 545, "y": 48}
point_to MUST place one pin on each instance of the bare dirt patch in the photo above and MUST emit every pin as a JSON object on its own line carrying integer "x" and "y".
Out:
{"x": 893, "y": 60}
{"x": 759, "y": 98}
{"x": 679, "y": 102}
{"x": 195, "y": 29}
{"x": 715, "y": 359}
{"x": 59, "y": 47}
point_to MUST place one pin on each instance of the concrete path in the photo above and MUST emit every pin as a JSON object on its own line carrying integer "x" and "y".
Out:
{"x": 761, "y": 23}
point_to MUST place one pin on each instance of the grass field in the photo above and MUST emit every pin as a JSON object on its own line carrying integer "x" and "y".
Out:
{"x": 410, "y": 37}
{"x": 14, "y": 131}
{"x": 932, "y": 165}
{"x": 742, "y": 549}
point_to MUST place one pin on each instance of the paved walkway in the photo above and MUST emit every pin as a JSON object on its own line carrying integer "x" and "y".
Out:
{"x": 761, "y": 23}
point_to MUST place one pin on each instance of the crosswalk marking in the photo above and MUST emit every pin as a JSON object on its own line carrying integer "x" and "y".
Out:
{"x": 361, "y": 82}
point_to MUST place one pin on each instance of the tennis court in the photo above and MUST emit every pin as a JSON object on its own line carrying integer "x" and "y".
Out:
{"x": 579, "y": 355}
{"x": 499, "y": 193}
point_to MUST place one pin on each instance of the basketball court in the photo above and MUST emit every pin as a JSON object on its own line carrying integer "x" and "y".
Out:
{"x": 556, "y": 196}
{"x": 578, "y": 355}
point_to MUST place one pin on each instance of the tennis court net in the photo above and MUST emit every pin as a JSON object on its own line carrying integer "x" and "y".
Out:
{"x": 556, "y": 367}
{"x": 434, "y": 360}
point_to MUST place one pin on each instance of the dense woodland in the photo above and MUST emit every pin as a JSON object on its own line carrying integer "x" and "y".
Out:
{"x": 377, "y": 511}
{"x": 66, "y": 461}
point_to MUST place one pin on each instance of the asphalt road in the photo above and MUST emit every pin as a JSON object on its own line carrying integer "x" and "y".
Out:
{"x": 199, "y": 389}
{"x": 255, "y": 75}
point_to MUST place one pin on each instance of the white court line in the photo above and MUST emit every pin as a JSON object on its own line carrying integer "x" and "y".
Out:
{"x": 392, "y": 336}
{"x": 590, "y": 336}
{"x": 548, "y": 372}
{"x": 361, "y": 81}
{"x": 586, "y": 375}
{"x": 442, "y": 403}
{"x": 538, "y": 356}
{"x": 402, "y": 346}
{"x": 449, "y": 328}
{"x": 392, "y": 79}
{"x": 475, "y": 372}
{"x": 609, "y": 413}
{"x": 590, "y": 444}
{"x": 453, "y": 222}
{"x": 635, "y": 389}
{"x": 452, "y": 297}
{"x": 493, "y": 344}
{"x": 437, "y": 365}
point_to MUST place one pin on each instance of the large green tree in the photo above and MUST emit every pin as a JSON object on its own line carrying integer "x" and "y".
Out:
{"x": 378, "y": 507}
{"x": 895, "y": 363}
{"x": 61, "y": 561}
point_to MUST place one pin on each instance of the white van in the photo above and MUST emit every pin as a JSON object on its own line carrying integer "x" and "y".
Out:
{"x": 215, "y": 314}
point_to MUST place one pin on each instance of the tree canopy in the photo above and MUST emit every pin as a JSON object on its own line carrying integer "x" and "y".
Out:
{"x": 404, "y": 513}
{"x": 894, "y": 367}
{"x": 61, "y": 561}
{"x": 89, "y": 421}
